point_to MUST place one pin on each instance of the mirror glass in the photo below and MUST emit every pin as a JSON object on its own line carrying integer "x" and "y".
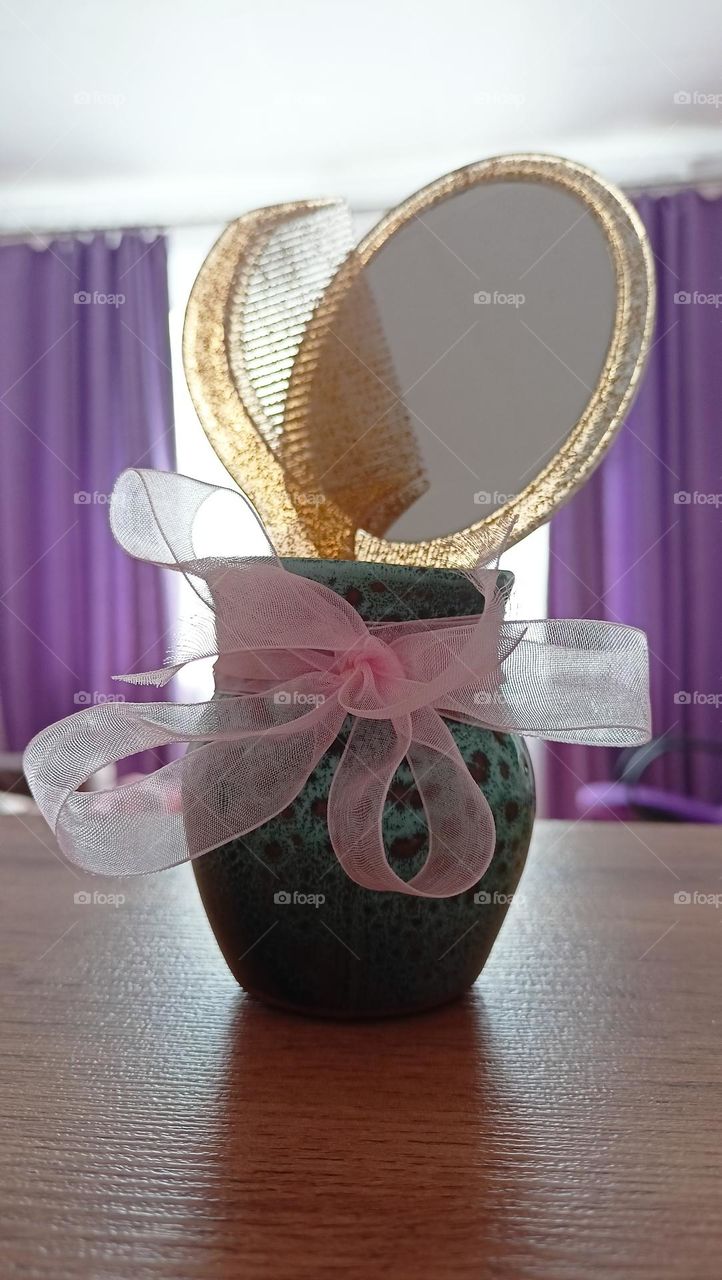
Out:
{"x": 497, "y": 307}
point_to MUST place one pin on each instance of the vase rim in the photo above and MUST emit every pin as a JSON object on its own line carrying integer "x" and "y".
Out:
{"x": 383, "y": 567}
{"x": 418, "y": 591}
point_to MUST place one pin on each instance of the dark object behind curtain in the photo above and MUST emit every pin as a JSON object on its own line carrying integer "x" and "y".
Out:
{"x": 85, "y": 390}
{"x": 642, "y": 542}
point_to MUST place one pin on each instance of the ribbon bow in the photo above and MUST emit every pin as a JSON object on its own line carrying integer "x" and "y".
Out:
{"x": 294, "y": 660}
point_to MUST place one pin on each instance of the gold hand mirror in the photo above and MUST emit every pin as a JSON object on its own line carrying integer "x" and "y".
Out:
{"x": 463, "y": 368}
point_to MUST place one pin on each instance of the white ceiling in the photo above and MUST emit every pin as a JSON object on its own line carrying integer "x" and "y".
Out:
{"x": 170, "y": 112}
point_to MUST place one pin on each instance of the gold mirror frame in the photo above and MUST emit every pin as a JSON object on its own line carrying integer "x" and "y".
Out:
{"x": 311, "y": 524}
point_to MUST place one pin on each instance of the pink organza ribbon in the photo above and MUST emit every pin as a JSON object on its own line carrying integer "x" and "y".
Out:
{"x": 294, "y": 660}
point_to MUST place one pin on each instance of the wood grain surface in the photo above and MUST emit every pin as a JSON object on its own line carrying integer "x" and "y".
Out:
{"x": 563, "y": 1120}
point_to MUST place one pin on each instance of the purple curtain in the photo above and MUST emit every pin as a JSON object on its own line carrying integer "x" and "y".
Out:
{"x": 642, "y": 542}
{"x": 85, "y": 390}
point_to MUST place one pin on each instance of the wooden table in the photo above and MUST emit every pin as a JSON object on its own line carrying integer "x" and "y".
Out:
{"x": 562, "y": 1121}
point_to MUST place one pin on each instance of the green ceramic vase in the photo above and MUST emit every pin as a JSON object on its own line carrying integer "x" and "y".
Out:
{"x": 295, "y": 930}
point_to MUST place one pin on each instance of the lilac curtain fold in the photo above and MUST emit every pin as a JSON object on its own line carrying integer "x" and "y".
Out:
{"x": 642, "y": 542}
{"x": 85, "y": 391}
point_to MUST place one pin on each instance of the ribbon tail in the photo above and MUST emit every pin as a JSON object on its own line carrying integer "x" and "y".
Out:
{"x": 462, "y": 832}
{"x": 568, "y": 680}
{"x": 461, "y": 840}
{"x": 372, "y": 755}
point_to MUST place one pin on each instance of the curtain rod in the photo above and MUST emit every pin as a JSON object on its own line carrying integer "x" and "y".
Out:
{"x": 23, "y": 235}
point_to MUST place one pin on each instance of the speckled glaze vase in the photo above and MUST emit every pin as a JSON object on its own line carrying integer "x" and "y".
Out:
{"x": 296, "y": 931}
